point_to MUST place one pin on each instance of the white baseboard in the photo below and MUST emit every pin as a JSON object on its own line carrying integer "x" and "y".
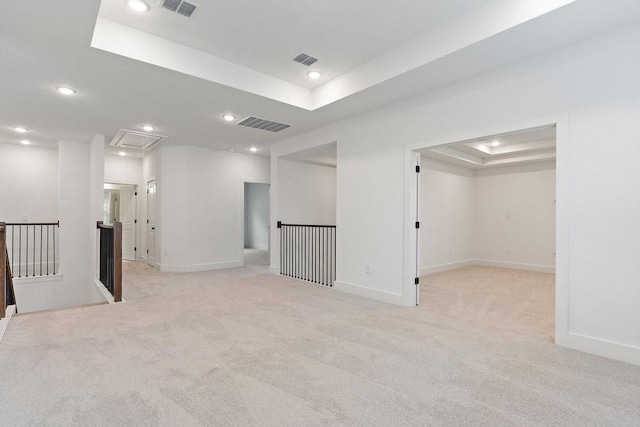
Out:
{"x": 168, "y": 268}
{"x": 445, "y": 267}
{"x": 516, "y": 266}
{"x": 4, "y": 322}
{"x": 376, "y": 294}
{"x": 601, "y": 347}
{"x": 104, "y": 291}
{"x": 274, "y": 269}
{"x": 37, "y": 279}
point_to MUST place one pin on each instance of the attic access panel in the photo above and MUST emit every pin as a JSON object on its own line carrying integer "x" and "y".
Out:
{"x": 136, "y": 140}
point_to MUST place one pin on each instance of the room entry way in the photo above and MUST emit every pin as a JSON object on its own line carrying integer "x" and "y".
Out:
{"x": 151, "y": 222}
{"x": 256, "y": 243}
{"x": 485, "y": 231}
{"x": 120, "y": 204}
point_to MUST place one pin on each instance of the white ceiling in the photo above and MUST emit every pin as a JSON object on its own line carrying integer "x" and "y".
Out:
{"x": 323, "y": 155}
{"x": 526, "y": 146}
{"x": 266, "y": 35}
{"x": 372, "y": 53}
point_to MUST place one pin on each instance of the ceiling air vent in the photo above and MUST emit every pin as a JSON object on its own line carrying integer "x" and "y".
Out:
{"x": 184, "y": 8}
{"x": 256, "y": 123}
{"x": 305, "y": 59}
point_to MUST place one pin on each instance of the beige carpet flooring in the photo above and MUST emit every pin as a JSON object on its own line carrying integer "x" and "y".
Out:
{"x": 520, "y": 301}
{"x": 240, "y": 347}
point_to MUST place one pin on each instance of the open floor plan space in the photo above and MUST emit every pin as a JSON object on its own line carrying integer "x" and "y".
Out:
{"x": 242, "y": 347}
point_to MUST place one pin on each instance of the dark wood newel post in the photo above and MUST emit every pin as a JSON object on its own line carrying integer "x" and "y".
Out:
{"x": 3, "y": 270}
{"x": 117, "y": 265}
{"x": 110, "y": 274}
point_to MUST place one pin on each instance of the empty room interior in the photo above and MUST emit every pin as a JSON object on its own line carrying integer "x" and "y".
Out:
{"x": 487, "y": 230}
{"x": 333, "y": 213}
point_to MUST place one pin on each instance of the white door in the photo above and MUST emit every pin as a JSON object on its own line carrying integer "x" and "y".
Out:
{"x": 128, "y": 219}
{"x": 151, "y": 222}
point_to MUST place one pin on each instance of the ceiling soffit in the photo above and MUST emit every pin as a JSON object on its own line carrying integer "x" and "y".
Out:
{"x": 476, "y": 25}
{"x": 528, "y": 146}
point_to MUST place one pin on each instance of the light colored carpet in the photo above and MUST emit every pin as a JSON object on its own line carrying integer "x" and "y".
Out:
{"x": 238, "y": 347}
{"x": 520, "y": 301}
{"x": 256, "y": 258}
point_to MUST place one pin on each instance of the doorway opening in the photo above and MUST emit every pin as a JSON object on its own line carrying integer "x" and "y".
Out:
{"x": 306, "y": 215}
{"x": 486, "y": 243}
{"x": 120, "y": 205}
{"x": 151, "y": 223}
{"x": 256, "y": 243}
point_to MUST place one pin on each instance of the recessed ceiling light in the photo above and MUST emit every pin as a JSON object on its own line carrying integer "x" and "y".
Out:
{"x": 122, "y": 153}
{"x": 25, "y": 142}
{"x": 253, "y": 149}
{"x": 65, "y": 90}
{"x": 314, "y": 74}
{"x": 20, "y": 129}
{"x": 229, "y": 117}
{"x": 495, "y": 143}
{"x": 148, "y": 128}
{"x": 138, "y": 5}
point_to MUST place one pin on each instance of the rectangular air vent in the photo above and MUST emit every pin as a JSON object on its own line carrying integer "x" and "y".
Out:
{"x": 256, "y": 123}
{"x": 184, "y": 8}
{"x": 305, "y": 59}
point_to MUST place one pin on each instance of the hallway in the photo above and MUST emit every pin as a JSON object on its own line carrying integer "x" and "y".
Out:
{"x": 241, "y": 347}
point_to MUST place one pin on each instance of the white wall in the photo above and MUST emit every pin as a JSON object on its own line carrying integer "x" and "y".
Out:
{"x": 515, "y": 222}
{"x": 500, "y": 216}
{"x": 122, "y": 170}
{"x": 201, "y": 204}
{"x": 306, "y": 193}
{"x": 447, "y": 216}
{"x": 30, "y": 184}
{"x": 589, "y": 89}
{"x": 80, "y": 203}
{"x": 256, "y": 216}
{"x": 47, "y": 185}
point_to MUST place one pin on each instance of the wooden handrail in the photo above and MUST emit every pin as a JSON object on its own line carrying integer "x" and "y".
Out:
{"x": 7, "y": 295}
{"x": 117, "y": 249}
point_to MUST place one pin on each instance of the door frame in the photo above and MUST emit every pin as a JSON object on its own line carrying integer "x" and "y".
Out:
{"x": 155, "y": 215}
{"x": 245, "y": 180}
{"x": 137, "y": 210}
{"x": 561, "y": 121}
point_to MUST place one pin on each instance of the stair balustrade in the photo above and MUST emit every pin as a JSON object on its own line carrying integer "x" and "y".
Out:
{"x": 308, "y": 252}
{"x": 111, "y": 258}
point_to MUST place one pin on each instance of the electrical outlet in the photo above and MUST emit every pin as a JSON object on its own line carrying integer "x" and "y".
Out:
{"x": 508, "y": 251}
